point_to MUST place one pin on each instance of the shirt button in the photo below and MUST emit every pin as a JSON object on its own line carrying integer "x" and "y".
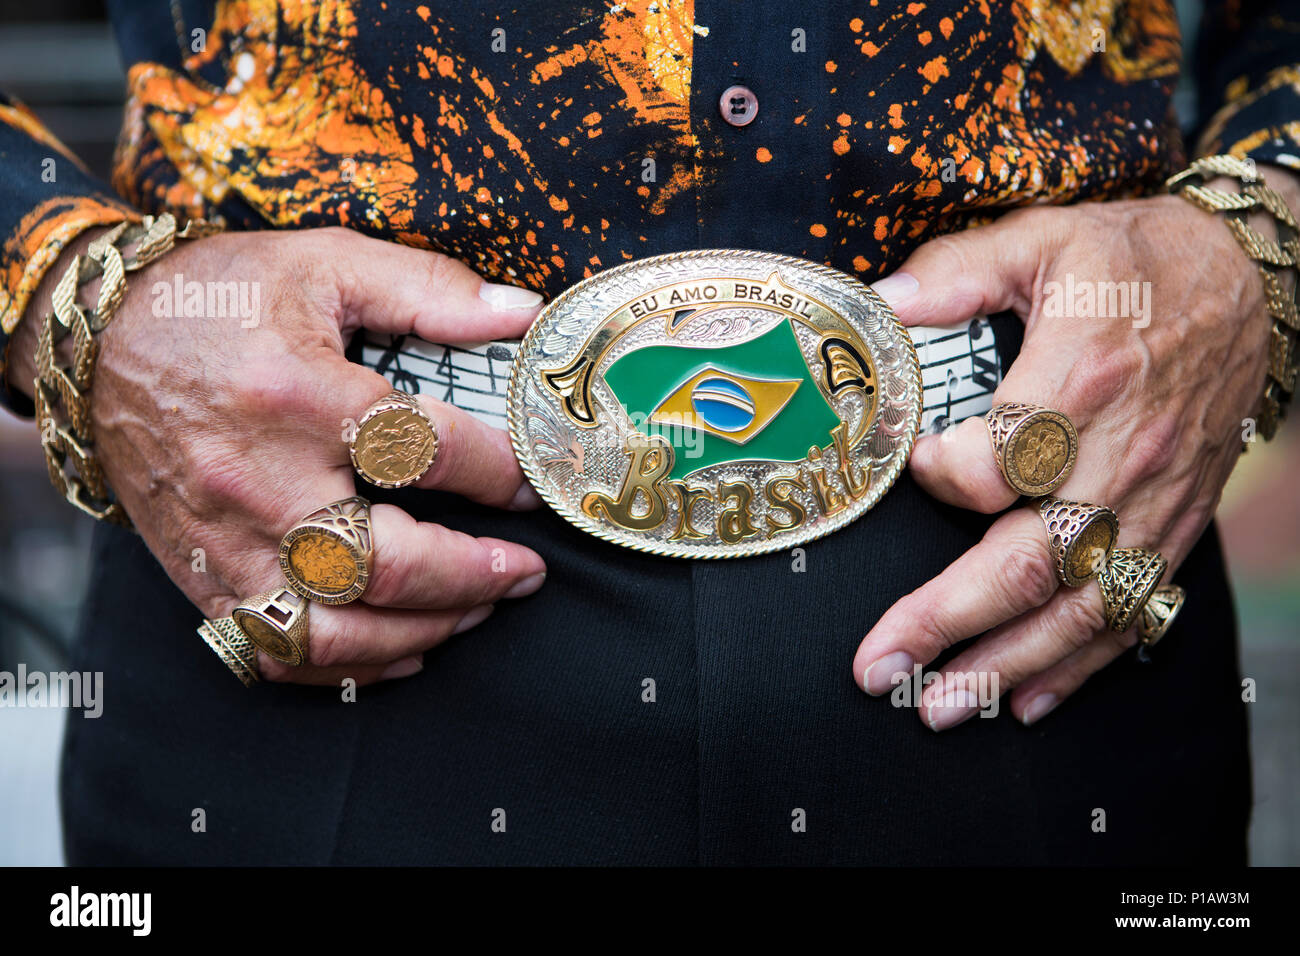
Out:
{"x": 739, "y": 105}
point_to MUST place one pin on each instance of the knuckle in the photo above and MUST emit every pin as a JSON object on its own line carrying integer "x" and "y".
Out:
{"x": 1102, "y": 375}
{"x": 439, "y": 275}
{"x": 218, "y": 475}
{"x": 984, "y": 487}
{"x": 1152, "y": 451}
{"x": 926, "y": 619}
{"x": 1028, "y": 573}
{"x": 333, "y": 642}
{"x": 267, "y": 389}
{"x": 1081, "y": 618}
{"x": 396, "y": 567}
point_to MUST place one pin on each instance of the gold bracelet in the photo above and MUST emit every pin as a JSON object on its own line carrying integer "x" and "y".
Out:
{"x": 1270, "y": 257}
{"x": 84, "y": 486}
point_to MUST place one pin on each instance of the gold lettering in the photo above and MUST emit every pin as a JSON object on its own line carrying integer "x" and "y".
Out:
{"x": 686, "y": 498}
{"x": 857, "y": 482}
{"x": 734, "y": 523}
{"x": 652, "y": 458}
{"x": 779, "y": 491}
{"x": 829, "y": 499}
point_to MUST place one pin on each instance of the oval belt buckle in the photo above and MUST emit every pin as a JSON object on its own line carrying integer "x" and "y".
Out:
{"x": 715, "y": 404}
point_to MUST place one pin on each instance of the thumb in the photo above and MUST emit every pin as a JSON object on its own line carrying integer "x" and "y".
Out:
{"x": 979, "y": 271}
{"x": 398, "y": 290}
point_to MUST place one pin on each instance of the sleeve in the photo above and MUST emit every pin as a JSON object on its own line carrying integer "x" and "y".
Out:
{"x": 47, "y": 199}
{"x": 1248, "y": 78}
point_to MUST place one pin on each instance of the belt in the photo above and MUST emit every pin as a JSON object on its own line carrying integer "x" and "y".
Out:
{"x": 710, "y": 404}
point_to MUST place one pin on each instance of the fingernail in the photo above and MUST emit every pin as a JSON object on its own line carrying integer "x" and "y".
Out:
{"x": 896, "y": 289}
{"x": 956, "y": 706}
{"x": 525, "y": 499}
{"x": 403, "y": 668}
{"x": 879, "y": 677}
{"x": 473, "y": 618}
{"x": 527, "y": 586}
{"x": 505, "y": 297}
{"x": 1040, "y": 707}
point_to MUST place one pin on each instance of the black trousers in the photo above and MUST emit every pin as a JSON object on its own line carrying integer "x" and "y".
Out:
{"x": 538, "y": 720}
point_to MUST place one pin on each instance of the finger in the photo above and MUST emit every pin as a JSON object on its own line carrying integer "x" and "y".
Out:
{"x": 959, "y": 466}
{"x": 357, "y": 633}
{"x": 362, "y": 674}
{"x": 1009, "y": 572}
{"x": 1018, "y": 651}
{"x": 312, "y": 400}
{"x": 1039, "y": 696}
{"x": 399, "y": 290}
{"x": 475, "y": 460}
{"x": 423, "y": 565}
{"x": 976, "y": 272}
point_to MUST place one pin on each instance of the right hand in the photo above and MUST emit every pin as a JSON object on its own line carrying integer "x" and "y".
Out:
{"x": 219, "y": 437}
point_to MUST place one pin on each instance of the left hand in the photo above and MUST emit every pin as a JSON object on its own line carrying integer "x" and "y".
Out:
{"x": 1158, "y": 397}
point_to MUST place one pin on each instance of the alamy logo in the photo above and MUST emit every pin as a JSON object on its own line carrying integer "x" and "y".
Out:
{"x": 83, "y": 691}
{"x": 179, "y": 299}
{"x": 74, "y": 908}
{"x": 1083, "y": 299}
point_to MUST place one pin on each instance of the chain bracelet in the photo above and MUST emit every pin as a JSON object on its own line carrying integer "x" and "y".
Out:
{"x": 1270, "y": 257}
{"x": 67, "y": 387}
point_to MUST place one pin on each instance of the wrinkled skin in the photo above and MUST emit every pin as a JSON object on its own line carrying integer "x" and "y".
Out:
{"x": 1159, "y": 412}
{"x": 219, "y": 437}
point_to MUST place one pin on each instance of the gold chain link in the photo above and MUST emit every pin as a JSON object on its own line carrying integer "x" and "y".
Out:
{"x": 1272, "y": 258}
{"x": 58, "y": 387}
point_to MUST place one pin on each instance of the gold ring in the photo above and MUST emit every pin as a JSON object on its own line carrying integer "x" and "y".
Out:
{"x": 1034, "y": 447}
{"x": 1159, "y": 612}
{"x": 1080, "y": 535}
{"x": 276, "y": 622}
{"x": 395, "y": 442}
{"x": 233, "y": 647}
{"x": 328, "y": 555}
{"x": 1129, "y": 577}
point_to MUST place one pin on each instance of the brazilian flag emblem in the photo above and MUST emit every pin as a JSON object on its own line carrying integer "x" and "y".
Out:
{"x": 755, "y": 400}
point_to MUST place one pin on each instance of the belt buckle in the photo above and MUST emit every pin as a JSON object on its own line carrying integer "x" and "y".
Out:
{"x": 715, "y": 403}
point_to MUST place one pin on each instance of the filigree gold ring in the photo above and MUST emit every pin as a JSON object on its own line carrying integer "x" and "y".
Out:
{"x": 1129, "y": 578}
{"x": 1080, "y": 535}
{"x": 1034, "y": 447}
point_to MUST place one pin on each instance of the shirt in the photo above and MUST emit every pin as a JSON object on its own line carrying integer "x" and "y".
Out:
{"x": 516, "y": 138}
{"x": 542, "y": 142}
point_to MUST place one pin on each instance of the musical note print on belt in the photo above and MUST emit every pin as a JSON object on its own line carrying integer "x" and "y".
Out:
{"x": 960, "y": 369}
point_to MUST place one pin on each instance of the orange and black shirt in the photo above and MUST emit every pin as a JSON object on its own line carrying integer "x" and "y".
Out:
{"x": 541, "y": 142}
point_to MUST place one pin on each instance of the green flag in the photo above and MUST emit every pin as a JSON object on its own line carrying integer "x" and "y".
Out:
{"x": 755, "y": 400}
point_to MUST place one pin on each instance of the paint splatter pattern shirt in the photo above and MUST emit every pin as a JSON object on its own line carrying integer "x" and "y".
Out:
{"x": 543, "y": 142}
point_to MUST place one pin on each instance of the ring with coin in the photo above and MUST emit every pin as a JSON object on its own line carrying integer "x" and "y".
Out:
{"x": 276, "y": 622}
{"x": 232, "y": 645}
{"x": 1158, "y": 613}
{"x": 1081, "y": 536}
{"x": 1034, "y": 447}
{"x": 395, "y": 442}
{"x": 328, "y": 555}
{"x": 1129, "y": 578}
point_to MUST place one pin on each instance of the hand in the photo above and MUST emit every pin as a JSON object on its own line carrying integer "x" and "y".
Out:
{"x": 1158, "y": 396}
{"x": 219, "y": 437}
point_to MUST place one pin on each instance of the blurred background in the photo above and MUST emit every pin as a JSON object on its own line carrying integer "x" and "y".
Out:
{"x": 60, "y": 59}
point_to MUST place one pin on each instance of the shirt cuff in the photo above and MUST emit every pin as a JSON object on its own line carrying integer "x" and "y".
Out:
{"x": 28, "y": 253}
{"x": 1262, "y": 123}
